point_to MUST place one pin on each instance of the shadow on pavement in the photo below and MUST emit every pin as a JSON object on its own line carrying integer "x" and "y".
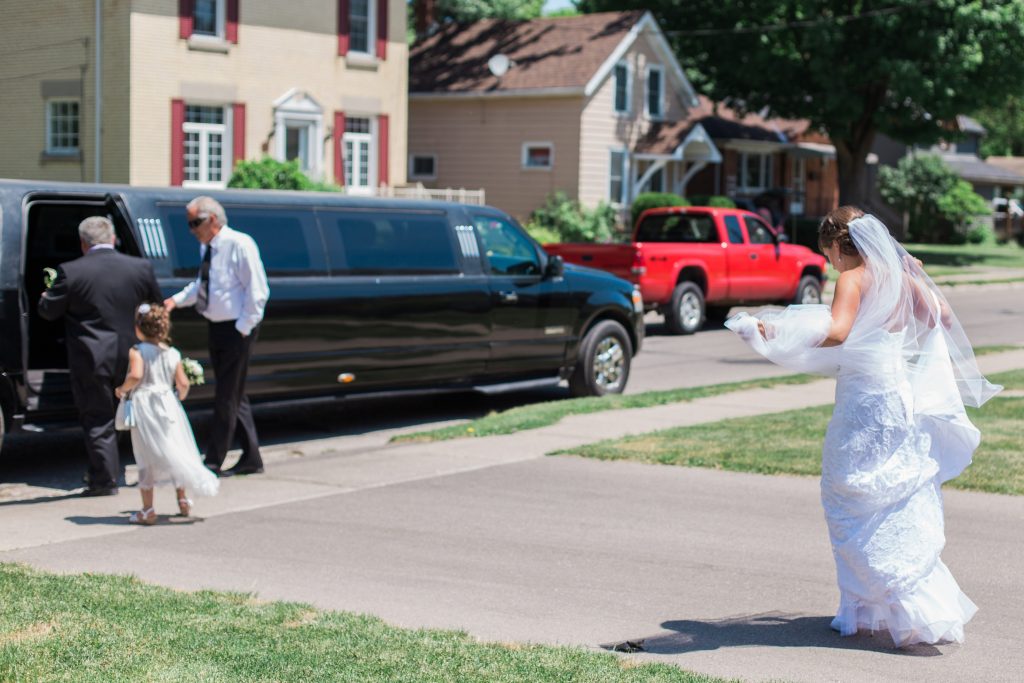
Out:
{"x": 122, "y": 520}
{"x": 772, "y": 629}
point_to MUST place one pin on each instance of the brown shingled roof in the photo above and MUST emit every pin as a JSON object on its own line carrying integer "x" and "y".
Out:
{"x": 558, "y": 52}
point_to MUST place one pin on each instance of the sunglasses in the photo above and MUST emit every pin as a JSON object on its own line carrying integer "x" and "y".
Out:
{"x": 196, "y": 222}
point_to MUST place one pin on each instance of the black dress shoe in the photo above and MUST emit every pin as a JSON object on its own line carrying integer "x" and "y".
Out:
{"x": 248, "y": 469}
{"x": 93, "y": 492}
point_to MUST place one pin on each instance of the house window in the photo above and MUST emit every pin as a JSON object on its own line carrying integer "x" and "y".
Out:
{"x": 361, "y": 26}
{"x": 755, "y": 172}
{"x": 62, "y": 127}
{"x": 358, "y": 143}
{"x": 622, "y": 88}
{"x": 616, "y": 177}
{"x": 208, "y": 18}
{"x": 423, "y": 166}
{"x": 655, "y": 92}
{"x": 205, "y": 135}
{"x": 538, "y": 155}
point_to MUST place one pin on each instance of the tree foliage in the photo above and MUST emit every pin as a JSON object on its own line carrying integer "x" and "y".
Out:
{"x": 1005, "y": 128}
{"x": 570, "y": 222}
{"x": 940, "y": 206}
{"x": 854, "y": 69}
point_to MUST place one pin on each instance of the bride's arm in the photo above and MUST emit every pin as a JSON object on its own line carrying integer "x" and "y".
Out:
{"x": 845, "y": 304}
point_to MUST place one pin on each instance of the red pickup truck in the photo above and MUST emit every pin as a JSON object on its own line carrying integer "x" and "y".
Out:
{"x": 694, "y": 263}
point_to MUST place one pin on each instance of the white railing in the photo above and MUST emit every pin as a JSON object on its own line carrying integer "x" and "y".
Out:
{"x": 450, "y": 194}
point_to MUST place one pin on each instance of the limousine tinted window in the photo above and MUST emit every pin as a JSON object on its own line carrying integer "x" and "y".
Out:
{"x": 375, "y": 242}
{"x": 508, "y": 251}
{"x": 288, "y": 239}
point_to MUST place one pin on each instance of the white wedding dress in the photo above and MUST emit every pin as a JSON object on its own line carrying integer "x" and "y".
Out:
{"x": 165, "y": 448}
{"x": 898, "y": 431}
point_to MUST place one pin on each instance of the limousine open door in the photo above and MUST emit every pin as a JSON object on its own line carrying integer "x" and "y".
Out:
{"x": 49, "y": 238}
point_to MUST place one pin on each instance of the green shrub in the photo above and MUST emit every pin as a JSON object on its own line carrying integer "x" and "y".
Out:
{"x": 715, "y": 200}
{"x": 981, "y": 234}
{"x": 271, "y": 174}
{"x": 565, "y": 219}
{"x": 941, "y": 207}
{"x": 654, "y": 200}
{"x": 542, "y": 234}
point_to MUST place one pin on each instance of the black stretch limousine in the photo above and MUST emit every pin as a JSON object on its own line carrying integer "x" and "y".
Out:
{"x": 366, "y": 295}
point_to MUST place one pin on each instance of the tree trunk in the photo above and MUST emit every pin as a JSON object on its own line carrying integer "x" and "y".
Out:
{"x": 851, "y": 159}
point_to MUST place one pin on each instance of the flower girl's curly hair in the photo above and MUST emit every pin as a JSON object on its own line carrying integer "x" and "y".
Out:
{"x": 155, "y": 322}
{"x": 835, "y": 229}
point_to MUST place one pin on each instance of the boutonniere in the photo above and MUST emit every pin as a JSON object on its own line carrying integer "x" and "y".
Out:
{"x": 49, "y": 277}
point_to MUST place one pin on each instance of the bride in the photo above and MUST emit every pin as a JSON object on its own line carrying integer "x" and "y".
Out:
{"x": 904, "y": 371}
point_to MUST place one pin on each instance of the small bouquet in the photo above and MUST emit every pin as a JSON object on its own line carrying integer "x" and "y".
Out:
{"x": 193, "y": 370}
{"x": 49, "y": 277}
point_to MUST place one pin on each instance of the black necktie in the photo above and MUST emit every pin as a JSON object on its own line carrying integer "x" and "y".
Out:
{"x": 203, "y": 298}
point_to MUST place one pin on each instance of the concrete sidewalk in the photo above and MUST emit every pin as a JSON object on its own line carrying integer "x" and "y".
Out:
{"x": 488, "y": 535}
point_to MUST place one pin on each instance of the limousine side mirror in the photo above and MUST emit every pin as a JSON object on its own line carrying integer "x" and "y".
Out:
{"x": 555, "y": 267}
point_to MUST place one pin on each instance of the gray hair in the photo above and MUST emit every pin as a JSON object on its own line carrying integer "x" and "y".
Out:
{"x": 210, "y": 207}
{"x": 96, "y": 230}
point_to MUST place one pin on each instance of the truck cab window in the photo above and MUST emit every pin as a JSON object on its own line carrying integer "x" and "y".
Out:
{"x": 758, "y": 231}
{"x": 677, "y": 227}
{"x": 509, "y": 252}
{"x": 732, "y": 226}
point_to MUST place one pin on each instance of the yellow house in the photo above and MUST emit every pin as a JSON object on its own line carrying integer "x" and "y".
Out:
{"x": 575, "y": 104}
{"x": 190, "y": 87}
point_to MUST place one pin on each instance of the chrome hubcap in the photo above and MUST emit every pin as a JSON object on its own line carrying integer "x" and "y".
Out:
{"x": 689, "y": 309}
{"x": 609, "y": 364}
{"x": 810, "y": 296}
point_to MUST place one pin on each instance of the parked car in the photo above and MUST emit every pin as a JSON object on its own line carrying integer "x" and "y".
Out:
{"x": 367, "y": 295}
{"x": 694, "y": 263}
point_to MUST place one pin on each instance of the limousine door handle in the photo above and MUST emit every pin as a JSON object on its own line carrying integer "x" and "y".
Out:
{"x": 508, "y": 297}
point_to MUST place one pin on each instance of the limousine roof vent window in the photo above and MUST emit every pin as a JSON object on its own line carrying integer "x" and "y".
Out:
{"x": 467, "y": 241}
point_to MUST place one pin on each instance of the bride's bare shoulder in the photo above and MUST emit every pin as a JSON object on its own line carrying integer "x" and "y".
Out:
{"x": 850, "y": 279}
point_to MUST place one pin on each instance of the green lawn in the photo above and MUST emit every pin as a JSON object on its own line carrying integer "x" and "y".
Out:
{"x": 947, "y": 259}
{"x": 90, "y": 627}
{"x": 790, "y": 443}
{"x": 550, "y": 412}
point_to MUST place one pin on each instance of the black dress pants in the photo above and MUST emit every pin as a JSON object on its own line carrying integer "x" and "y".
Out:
{"x": 94, "y": 398}
{"x": 229, "y": 354}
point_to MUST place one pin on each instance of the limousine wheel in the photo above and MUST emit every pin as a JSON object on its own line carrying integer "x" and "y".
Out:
{"x": 685, "y": 314}
{"x": 604, "y": 360}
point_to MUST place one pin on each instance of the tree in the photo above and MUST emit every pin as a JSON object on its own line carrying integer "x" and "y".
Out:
{"x": 1004, "y": 125}
{"x": 853, "y": 68}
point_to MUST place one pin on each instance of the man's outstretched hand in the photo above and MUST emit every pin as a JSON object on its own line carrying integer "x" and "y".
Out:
{"x": 169, "y": 304}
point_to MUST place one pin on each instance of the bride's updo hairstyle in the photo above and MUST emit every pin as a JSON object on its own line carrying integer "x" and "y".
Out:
{"x": 154, "y": 321}
{"x": 835, "y": 229}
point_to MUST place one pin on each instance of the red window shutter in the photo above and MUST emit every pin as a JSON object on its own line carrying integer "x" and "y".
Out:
{"x": 382, "y": 29}
{"x": 339, "y": 148}
{"x": 177, "y": 142}
{"x": 231, "y": 22}
{"x": 382, "y": 149}
{"x": 237, "y": 133}
{"x": 185, "y": 9}
{"x": 343, "y": 29}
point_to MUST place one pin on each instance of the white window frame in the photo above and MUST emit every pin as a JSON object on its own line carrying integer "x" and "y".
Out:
{"x": 766, "y": 164}
{"x": 661, "y": 95}
{"x": 221, "y": 21}
{"x": 62, "y": 151}
{"x": 526, "y": 155}
{"x": 226, "y": 152}
{"x": 370, "y": 139}
{"x": 371, "y": 29}
{"x": 624, "y": 178}
{"x": 629, "y": 88}
{"x": 419, "y": 176}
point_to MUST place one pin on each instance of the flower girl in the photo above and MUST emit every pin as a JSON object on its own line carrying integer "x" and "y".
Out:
{"x": 165, "y": 448}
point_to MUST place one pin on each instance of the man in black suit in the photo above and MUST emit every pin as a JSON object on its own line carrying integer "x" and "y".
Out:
{"x": 98, "y": 295}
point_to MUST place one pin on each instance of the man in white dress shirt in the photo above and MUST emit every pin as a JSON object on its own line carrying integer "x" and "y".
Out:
{"x": 230, "y": 292}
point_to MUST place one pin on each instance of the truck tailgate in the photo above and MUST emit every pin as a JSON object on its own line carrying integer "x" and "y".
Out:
{"x": 616, "y": 259}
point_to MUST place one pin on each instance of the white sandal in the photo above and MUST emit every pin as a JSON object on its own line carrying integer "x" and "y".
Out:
{"x": 146, "y": 517}
{"x": 184, "y": 507}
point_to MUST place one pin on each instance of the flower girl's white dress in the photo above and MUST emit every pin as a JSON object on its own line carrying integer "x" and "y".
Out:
{"x": 165, "y": 448}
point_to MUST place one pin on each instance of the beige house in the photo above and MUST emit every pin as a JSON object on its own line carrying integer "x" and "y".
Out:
{"x": 523, "y": 109}
{"x": 190, "y": 87}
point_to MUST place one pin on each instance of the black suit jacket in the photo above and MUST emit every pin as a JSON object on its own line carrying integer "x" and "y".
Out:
{"x": 98, "y": 295}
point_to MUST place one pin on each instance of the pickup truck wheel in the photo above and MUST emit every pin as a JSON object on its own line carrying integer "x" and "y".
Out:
{"x": 603, "y": 363}
{"x": 808, "y": 291}
{"x": 685, "y": 314}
